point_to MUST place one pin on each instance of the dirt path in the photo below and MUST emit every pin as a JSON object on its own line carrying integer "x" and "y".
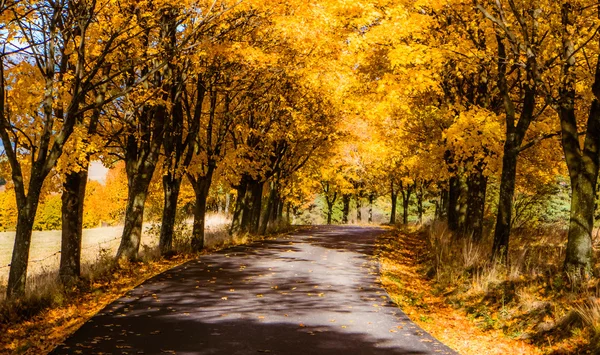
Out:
{"x": 313, "y": 292}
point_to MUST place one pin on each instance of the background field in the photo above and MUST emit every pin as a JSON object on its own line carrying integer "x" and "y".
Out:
{"x": 45, "y": 246}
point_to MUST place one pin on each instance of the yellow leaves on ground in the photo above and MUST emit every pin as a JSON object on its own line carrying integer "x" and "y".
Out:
{"x": 401, "y": 274}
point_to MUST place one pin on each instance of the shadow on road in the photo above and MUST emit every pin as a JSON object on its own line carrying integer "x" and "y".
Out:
{"x": 310, "y": 293}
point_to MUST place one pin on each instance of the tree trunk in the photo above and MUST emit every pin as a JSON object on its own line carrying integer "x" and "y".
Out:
{"x": 394, "y": 203}
{"x": 280, "y": 210}
{"x": 507, "y": 192}
{"x": 583, "y": 164}
{"x": 329, "y": 212}
{"x": 477, "y": 185}
{"x": 515, "y": 133}
{"x": 442, "y": 208}
{"x": 227, "y": 203}
{"x": 269, "y": 211}
{"x": 134, "y": 216}
{"x": 274, "y": 217}
{"x": 358, "y": 209}
{"x": 371, "y": 200}
{"x": 256, "y": 190}
{"x": 18, "y": 267}
{"x": 579, "y": 254}
{"x": 201, "y": 188}
{"x": 346, "y": 208}
{"x": 171, "y": 188}
{"x": 73, "y": 197}
{"x": 463, "y": 202}
{"x": 420, "y": 210}
{"x": 453, "y": 203}
{"x": 405, "y": 204}
{"x": 238, "y": 211}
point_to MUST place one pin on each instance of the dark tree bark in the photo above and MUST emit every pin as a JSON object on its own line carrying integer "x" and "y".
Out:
{"x": 73, "y": 198}
{"x": 138, "y": 184}
{"x": 406, "y": 193}
{"x": 72, "y": 226}
{"x": 394, "y": 196}
{"x": 329, "y": 199}
{"x": 239, "y": 208}
{"x": 583, "y": 164}
{"x": 371, "y": 200}
{"x": 18, "y": 266}
{"x": 453, "y": 203}
{"x": 441, "y": 205}
{"x": 201, "y": 186}
{"x": 358, "y": 209}
{"x": 477, "y": 186}
{"x": 171, "y": 188}
{"x": 270, "y": 212}
{"x": 248, "y": 206}
{"x": 144, "y": 138}
{"x": 505, "y": 202}
{"x": 346, "y": 207}
{"x": 275, "y": 217}
{"x": 329, "y": 212}
{"x": 463, "y": 202}
{"x": 518, "y": 98}
{"x": 420, "y": 210}
{"x": 255, "y": 208}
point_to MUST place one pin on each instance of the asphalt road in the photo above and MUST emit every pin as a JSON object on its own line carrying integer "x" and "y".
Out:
{"x": 313, "y": 292}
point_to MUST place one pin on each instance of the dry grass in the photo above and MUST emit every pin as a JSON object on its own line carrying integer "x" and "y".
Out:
{"x": 529, "y": 304}
{"x": 44, "y": 256}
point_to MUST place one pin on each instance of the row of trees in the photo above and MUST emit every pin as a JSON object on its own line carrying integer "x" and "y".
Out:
{"x": 426, "y": 102}
{"x": 185, "y": 89}
{"x": 473, "y": 94}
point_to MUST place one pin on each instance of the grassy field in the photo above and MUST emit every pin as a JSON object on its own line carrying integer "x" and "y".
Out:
{"x": 45, "y": 246}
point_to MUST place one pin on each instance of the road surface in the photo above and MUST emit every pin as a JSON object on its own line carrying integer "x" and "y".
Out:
{"x": 312, "y": 292}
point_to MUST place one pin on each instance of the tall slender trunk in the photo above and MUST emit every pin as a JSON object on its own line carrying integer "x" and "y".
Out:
{"x": 246, "y": 218}
{"x": 358, "y": 209}
{"x": 269, "y": 211}
{"x": 134, "y": 216}
{"x": 477, "y": 186}
{"x": 18, "y": 267}
{"x": 405, "y": 203}
{"x": 329, "y": 213}
{"x": 442, "y": 208}
{"x": 371, "y": 200}
{"x": 505, "y": 201}
{"x": 240, "y": 206}
{"x": 277, "y": 206}
{"x": 420, "y": 209}
{"x": 346, "y": 208}
{"x": 171, "y": 188}
{"x": 256, "y": 189}
{"x": 515, "y": 133}
{"x": 394, "y": 197}
{"x": 282, "y": 203}
{"x": 453, "y": 203}
{"x": 463, "y": 204}
{"x": 73, "y": 197}
{"x": 583, "y": 163}
{"x": 201, "y": 188}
